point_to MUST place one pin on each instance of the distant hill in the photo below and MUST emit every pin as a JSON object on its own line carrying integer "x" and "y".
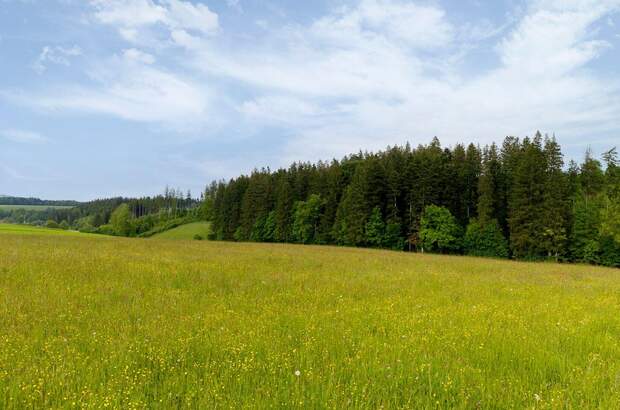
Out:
{"x": 14, "y": 200}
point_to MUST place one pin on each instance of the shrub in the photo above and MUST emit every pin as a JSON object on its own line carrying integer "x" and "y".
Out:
{"x": 52, "y": 224}
{"x": 106, "y": 230}
{"x": 485, "y": 239}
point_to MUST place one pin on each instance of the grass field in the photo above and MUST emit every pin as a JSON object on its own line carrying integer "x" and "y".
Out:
{"x": 90, "y": 322}
{"x": 186, "y": 232}
{"x": 32, "y": 207}
{"x": 38, "y": 231}
{"x": 35, "y": 230}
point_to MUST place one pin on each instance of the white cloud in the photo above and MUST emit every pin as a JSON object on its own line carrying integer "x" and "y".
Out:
{"x": 413, "y": 25}
{"x": 185, "y": 15}
{"x": 361, "y": 77}
{"x": 548, "y": 42}
{"x": 135, "y": 55}
{"x": 22, "y": 136}
{"x": 132, "y": 16}
{"x": 351, "y": 53}
{"x": 129, "y": 13}
{"x": 280, "y": 110}
{"x": 55, "y": 55}
{"x": 132, "y": 89}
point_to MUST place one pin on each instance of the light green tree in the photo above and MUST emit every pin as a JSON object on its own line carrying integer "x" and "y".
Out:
{"x": 306, "y": 219}
{"x": 439, "y": 231}
{"x": 121, "y": 220}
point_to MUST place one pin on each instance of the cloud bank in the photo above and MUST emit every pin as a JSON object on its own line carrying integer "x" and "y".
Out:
{"x": 362, "y": 76}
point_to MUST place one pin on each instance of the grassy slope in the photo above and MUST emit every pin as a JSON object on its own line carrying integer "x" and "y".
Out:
{"x": 35, "y": 230}
{"x": 186, "y": 231}
{"x": 33, "y": 207}
{"x": 139, "y": 323}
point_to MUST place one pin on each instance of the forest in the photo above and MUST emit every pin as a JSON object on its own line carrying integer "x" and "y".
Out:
{"x": 518, "y": 200}
{"x": 12, "y": 200}
{"x": 112, "y": 216}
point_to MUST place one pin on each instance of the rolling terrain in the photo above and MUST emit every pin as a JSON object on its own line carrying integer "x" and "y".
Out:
{"x": 90, "y": 322}
{"x": 186, "y": 232}
{"x": 15, "y": 229}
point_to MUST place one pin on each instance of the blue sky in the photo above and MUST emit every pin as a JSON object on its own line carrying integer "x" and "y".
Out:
{"x": 123, "y": 97}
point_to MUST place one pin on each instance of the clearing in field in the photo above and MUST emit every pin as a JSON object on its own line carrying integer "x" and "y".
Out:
{"x": 36, "y": 230}
{"x": 187, "y": 231}
{"x": 95, "y": 322}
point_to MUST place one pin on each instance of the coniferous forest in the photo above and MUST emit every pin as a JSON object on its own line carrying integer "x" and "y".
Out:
{"x": 518, "y": 200}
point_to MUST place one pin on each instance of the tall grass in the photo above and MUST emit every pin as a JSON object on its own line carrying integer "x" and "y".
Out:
{"x": 97, "y": 322}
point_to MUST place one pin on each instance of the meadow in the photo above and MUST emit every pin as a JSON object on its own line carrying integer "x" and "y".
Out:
{"x": 96, "y": 322}
{"x": 187, "y": 231}
{"x": 37, "y": 231}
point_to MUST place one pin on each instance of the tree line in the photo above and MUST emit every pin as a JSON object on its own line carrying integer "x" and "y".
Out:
{"x": 113, "y": 216}
{"x": 14, "y": 200}
{"x": 518, "y": 200}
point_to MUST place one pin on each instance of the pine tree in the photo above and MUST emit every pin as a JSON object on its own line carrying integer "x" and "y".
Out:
{"x": 283, "y": 208}
{"x": 393, "y": 238}
{"x": 585, "y": 238}
{"x": 375, "y": 229}
{"x": 612, "y": 174}
{"x": 335, "y": 185}
{"x": 256, "y": 205}
{"x": 269, "y": 227}
{"x": 585, "y": 231}
{"x": 349, "y": 227}
{"x": 473, "y": 169}
{"x": 555, "y": 202}
{"x": 591, "y": 177}
{"x": 490, "y": 187}
{"x": 526, "y": 205}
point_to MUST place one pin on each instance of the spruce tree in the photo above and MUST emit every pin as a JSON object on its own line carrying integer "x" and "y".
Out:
{"x": 555, "y": 202}
{"x": 349, "y": 227}
{"x": 526, "y": 204}
{"x": 490, "y": 187}
{"x": 283, "y": 208}
{"x": 375, "y": 229}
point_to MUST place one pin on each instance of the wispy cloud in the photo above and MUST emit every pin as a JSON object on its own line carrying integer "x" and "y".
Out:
{"x": 55, "y": 55}
{"x": 365, "y": 75}
{"x": 22, "y": 136}
{"x": 133, "y": 18}
{"x": 359, "y": 79}
{"x": 129, "y": 86}
{"x": 235, "y": 4}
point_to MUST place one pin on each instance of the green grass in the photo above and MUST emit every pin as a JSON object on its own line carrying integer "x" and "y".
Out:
{"x": 32, "y": 207}
{"x": 35, "y": 230}
{"x": 89, "y": 322}
{"x": 186, "y": 232}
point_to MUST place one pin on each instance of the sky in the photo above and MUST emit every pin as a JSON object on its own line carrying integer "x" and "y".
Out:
{"x": 103, "y": 98}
